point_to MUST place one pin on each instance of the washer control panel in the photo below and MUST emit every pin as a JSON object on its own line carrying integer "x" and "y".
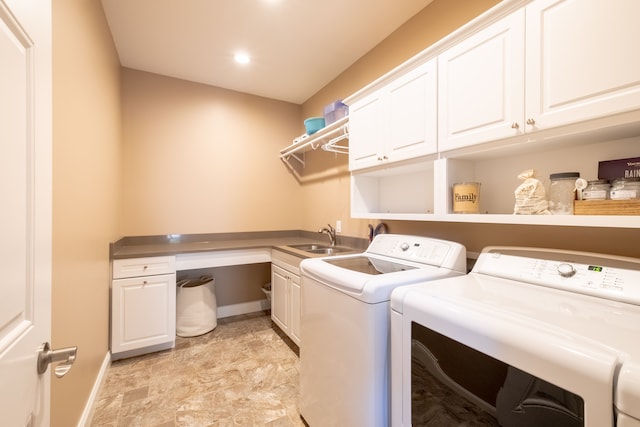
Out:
{"x": 423, "y": 250}
{"x": 615, "y": 278}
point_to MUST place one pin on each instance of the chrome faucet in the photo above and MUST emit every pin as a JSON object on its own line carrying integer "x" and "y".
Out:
{"x": 331, "y": 232}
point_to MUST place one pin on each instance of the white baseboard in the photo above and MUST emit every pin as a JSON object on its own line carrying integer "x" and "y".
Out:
{"x": 242, "y": 308}
{"x": 87, "y": 414}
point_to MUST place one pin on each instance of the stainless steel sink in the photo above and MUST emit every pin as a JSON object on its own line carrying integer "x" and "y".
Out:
{"x": 321, "y": 249}
{"x": 329, "y": 251}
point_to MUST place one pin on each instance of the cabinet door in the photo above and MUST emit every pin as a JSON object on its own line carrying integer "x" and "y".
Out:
{"x": 481, "y": 86}
{"x": 412, "y": 114}
{"x": 294, "y": 325}
{"x": 143, "y": 312}
{"x": 582, "y": 60}
{"x": 280, "y": 297}
{"x": 365, "y": 131}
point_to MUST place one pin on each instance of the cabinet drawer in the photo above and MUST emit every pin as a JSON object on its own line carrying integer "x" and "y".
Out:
{"x": 134, "y": 267}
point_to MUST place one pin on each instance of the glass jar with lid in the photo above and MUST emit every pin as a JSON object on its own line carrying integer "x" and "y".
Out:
{"x": 562, "y": 192}
{"x": 596, "y": 190}
{"x": 625, "y": 189}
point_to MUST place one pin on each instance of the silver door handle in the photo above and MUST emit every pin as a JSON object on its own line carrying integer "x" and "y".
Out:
{"x": 46, "y": 356}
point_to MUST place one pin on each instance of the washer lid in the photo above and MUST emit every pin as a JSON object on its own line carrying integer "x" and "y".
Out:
{"x": 369, "y": 288}
{"x": 369, "y": 265}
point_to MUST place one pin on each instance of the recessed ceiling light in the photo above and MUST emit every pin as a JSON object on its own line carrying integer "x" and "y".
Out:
{"x": 242, "y": 58}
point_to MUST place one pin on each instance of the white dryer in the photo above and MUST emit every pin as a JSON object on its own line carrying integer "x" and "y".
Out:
{"x": 344, "y": 351}
{"x": 530, "y": 337}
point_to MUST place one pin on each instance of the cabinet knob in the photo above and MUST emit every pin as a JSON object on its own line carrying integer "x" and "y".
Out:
{"x": 531, "y": 121}
{"x": 515, "y": 125}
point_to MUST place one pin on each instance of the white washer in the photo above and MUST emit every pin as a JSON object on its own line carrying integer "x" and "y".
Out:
{"x": 344, "y": 353}
{"x": 531, "y": 337}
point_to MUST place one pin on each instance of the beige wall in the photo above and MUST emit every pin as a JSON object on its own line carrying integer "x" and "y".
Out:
{"x": 86, "y": 195}
{"x": 200, "y": 159}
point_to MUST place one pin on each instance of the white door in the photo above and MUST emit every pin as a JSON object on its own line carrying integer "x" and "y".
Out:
{"x": 25, "y": 218}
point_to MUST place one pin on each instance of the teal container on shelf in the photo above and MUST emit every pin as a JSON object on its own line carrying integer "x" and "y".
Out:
{"x": 313, "y": 124}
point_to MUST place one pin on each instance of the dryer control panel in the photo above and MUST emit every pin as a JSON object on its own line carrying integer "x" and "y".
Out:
{"x": 611, "y": 277}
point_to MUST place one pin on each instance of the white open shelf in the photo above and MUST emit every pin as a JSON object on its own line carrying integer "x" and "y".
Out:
{"x": 423, "y": 190}
{"x": 387, "y": 193}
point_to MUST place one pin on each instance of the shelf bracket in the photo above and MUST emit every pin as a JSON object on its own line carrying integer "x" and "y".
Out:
{"x": 299, "y": 157}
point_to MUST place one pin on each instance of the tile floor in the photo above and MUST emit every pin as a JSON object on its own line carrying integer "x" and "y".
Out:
{"x": 243, "y": 373}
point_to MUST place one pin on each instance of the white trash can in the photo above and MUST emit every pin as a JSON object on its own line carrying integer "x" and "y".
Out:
{"x": 196, "y": 311}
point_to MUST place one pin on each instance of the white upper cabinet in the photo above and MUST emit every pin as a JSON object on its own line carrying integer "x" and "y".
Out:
{"x": 581, "y": 60}
{"x": 572, "y": 63}
{"x": 481, "y": 85}
{"x": 397, "y": 122}
{"x": 412, "y": 115}
{"x": 365, "y": 131}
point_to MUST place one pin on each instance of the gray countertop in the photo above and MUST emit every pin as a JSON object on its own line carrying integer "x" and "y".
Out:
{"x": 172, "y": 244}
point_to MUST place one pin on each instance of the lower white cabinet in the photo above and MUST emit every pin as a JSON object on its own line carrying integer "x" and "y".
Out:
{"x": 143, "y": 306}
{"x": 285, "y": 293}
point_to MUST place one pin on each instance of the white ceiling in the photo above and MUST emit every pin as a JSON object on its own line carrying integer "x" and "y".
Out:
{"x": 297, "y": 46}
